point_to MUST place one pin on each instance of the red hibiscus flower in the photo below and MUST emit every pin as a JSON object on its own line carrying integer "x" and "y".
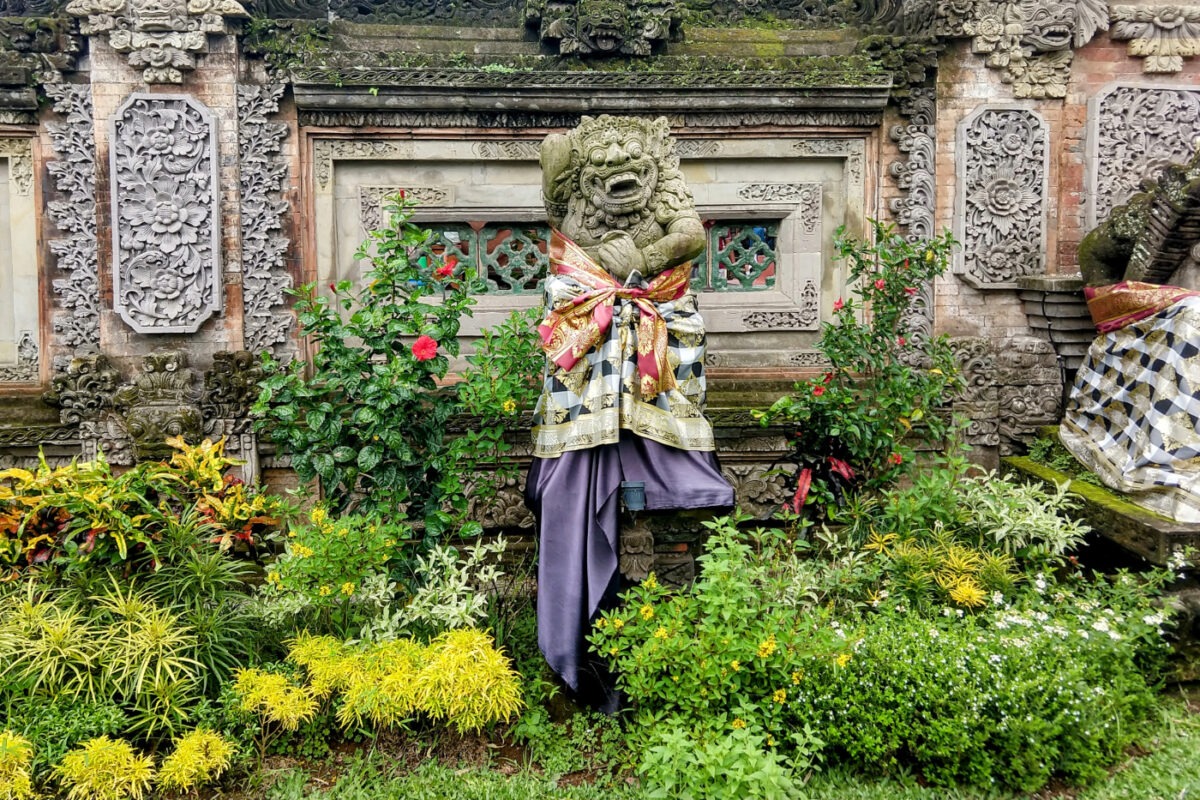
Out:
{"x": 896, "y": 458}
{"x": 901, "y": 341}
{"x": 424, "y": 348}
{"x": 818, "y": 391}
{"x": 880, "y": 283}
{"x": 447, "y": 269}
{"x": 910, "y": 290}
{"x": 837, "y": 304}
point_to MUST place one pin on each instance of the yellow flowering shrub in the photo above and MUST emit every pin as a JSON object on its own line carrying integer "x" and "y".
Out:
{"x": 104, "y": 769}
{"x": 200, "y": 757}
{"x": 16, "y": 757}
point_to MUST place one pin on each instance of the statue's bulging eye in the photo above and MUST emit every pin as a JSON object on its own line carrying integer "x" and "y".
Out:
{"x": 597, "y": 157}
{"x": 635, "y": 149}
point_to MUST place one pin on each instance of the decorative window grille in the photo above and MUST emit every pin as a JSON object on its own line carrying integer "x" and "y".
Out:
{"x": 510, "y": 257}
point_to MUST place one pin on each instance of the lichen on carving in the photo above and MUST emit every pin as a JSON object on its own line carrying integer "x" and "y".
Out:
{"x": 604, "y": 27}
{"x": 166, "y": 246}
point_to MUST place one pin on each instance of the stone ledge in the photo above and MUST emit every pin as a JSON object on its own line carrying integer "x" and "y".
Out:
{"x": 1150, "y": 535}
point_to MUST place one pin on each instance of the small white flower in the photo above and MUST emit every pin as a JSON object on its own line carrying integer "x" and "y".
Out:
{"x": 997, "y": 598}
{"x": 933, "y": 633}
{"x": 947, "y": 611}
{"x": 1039, "y": 582}
{"x": 1100, "y": 625}
{"x": 1154, "y": 619}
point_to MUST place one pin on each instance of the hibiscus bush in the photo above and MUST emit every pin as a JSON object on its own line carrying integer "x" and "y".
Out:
{"x": 368, "y": 418}
{"x": 857, "y": 426}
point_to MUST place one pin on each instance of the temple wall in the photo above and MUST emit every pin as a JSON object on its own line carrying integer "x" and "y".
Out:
{"x": 1004, "y": 132}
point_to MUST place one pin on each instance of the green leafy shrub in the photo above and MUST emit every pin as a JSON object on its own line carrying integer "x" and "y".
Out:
{"x": 367, "y": 417}
{"x": 104, "y": 769}
{"x": 56, "y": 726}
{"x": 854, "y": 428}
{"x": 726, "y": 652}
{"x": 199, "y": 758}
{"x": 16, "y": 762}
{"x": 739, "y": 764}
{"x": 1012, "y": 696}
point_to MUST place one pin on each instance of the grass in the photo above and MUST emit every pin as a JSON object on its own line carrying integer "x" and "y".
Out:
{"x": 1166, "y": 767}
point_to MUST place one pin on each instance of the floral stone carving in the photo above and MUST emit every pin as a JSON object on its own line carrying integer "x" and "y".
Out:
{"x": 267, "y": 322}
{"x": 162, "y": 37}
{"x": 1001, "y": 195}
{"x": 604, "y": 27}
{"x": 1162, "y": 35}
{"x": 1134, "y": 133}
{"x": 166, "y": 247}
{"x": 77, "y": 322}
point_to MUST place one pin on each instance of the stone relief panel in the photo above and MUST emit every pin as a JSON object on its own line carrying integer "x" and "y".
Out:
{"x": 500, "y": 13}
{"x": 1133, "y": 132}
{"x": 1162, "y": 35}
{"x": 1000, "y": 218}
{"x": 267, "y": 323}
{"x": 165, "y": 212}
{"x": 20, "y": 295}
{"x": 161, "y": 37}
{"x": 77, "y": 322}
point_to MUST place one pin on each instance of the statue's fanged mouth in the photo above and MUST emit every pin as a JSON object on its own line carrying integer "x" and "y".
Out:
{"x": 623, "y": 187}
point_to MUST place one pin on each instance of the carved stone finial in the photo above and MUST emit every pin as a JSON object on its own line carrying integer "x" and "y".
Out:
{"x": 163, "y": 37}
{"x": 1030, "y": 41}
{"x": 1161, "y": 34}
{"x": 604, "y": 27}
{"x": 231, "y": 386}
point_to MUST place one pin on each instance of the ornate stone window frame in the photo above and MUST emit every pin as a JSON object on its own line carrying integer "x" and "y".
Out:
{"x": 970, "y": 272}
{"x": 21, "y": 334}
{"x": 1127, "y": 161}
{"x": 803, "y": 238}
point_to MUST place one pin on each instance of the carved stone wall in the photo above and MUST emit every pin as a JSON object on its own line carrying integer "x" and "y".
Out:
{"x": 1011, "y": 389}
{"x": 77, "y": 320}
{"x": 1133, "y": 132}
{"x": 267, "y": 323}
{"x": 165, "y": 214}
{"x": 1003, "y": 158}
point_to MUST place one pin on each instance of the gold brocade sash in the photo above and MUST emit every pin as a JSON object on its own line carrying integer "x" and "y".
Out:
{"x": 574, "y": 329}
{"x": 1113, "y": 307}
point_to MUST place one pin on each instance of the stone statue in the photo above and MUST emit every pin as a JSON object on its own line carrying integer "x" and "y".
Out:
{"x": 613, "y": 186}
{"x": 623, "y": 396}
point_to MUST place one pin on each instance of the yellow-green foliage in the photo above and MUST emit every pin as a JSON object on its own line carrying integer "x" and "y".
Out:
{"x": 275, "y": 698}
{"x": 460, "y": 677}
{"x": 382, "y": 687}
{"x": 16, "y": 754}
{"x": 945, "y": 570}
{"x": 467, "y": 681}
{"x": 103, "y": 769}
{"x": 199, "y": 758}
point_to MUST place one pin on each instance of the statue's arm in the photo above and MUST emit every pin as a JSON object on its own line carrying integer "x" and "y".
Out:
{"x": 683, "y": 242}
{"x": 555, "y": 159}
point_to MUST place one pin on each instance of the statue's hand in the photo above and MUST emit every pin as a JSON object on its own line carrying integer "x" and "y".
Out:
{"x": 619, "y": 255}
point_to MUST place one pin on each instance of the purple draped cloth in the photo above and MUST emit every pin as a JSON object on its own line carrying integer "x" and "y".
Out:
{"x": 575, "y": 498}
